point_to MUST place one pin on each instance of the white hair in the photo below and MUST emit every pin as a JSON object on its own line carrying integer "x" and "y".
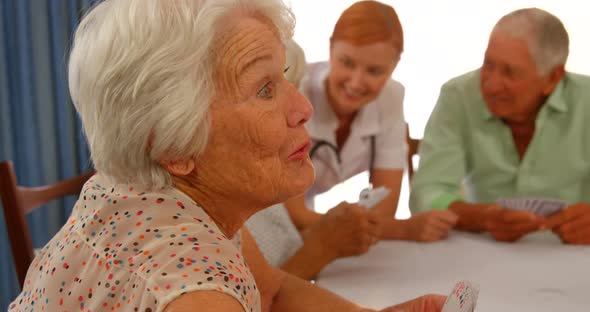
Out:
{"x": 295, "y": 61}
{"x": 141, "y": 78}
{"x": 544, "y": 33}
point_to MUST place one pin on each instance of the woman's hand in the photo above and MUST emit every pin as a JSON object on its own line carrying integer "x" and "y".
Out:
{"x": 426, "y": 303}
{"x": 345, "y": 230}
{"x": 430, "y": 226}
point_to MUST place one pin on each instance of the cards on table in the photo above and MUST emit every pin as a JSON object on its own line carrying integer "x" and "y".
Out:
{"x": 370, "y": 197}
{"x": 463, "y": 298}
{"x": 540, "y": 206}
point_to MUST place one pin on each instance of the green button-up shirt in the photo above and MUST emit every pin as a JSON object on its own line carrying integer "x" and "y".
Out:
{"x": 464, "y": 144}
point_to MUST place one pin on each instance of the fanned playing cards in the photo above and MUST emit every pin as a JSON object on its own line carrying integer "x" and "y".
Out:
{"x": 540, "y": 206}
{"x": 463, "y": 298}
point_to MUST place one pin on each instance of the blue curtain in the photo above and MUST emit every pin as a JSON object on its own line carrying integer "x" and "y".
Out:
{"x": 39, "y": 129}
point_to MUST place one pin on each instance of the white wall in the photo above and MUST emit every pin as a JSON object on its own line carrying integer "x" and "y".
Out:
{"x": 443, "y": 38}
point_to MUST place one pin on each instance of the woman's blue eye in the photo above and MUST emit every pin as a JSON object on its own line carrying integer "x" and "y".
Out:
{"x": 266, "y": 92}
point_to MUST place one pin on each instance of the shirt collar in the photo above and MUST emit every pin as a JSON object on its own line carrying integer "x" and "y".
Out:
{"x": 557, "y": 98}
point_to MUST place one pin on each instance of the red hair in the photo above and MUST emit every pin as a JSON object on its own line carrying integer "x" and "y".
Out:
{"x": 367, "y": 22}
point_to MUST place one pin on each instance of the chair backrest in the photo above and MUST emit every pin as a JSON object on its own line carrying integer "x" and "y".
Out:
{"x": 412, "y": 150}
{"x": 18, "y": 201}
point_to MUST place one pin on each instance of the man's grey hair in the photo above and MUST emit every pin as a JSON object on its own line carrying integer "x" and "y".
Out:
{"x": 141, "y": 77}
{"x": 545, "y": 34}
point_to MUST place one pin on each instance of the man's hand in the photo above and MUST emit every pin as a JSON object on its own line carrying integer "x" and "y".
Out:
{"x": 572, "y": 224}
{"x": 430, "y": 226}
{"x": 472, "y": 217}
{"x": 508, "y": 225}
{"x": 427, "y": 303}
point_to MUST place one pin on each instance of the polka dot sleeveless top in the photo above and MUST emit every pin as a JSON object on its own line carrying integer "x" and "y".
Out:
{"x": 125, "y": 249}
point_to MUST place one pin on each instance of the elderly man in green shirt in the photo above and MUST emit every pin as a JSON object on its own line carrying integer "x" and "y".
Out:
{"x": 513, "y": 128}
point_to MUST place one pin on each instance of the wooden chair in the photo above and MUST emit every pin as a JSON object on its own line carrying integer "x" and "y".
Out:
{"x": 18, "y": 201}
{"x": 412, "y": 150}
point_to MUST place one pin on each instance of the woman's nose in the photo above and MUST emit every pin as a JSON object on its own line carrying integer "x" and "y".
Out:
{"x": 299, "y": 111}
{"x": 357, "y": 80}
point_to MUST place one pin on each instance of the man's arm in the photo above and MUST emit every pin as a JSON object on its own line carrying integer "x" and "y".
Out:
{"x": 442, "y": 165}
{"x": 426, "y": 227}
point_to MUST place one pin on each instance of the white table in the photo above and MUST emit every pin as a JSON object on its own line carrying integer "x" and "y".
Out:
{"x": 536, "y": 274}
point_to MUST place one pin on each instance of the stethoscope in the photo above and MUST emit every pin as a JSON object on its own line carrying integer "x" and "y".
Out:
{"x": 320, "y": 143}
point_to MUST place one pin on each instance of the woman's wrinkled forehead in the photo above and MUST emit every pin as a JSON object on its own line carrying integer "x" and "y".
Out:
{"x": 241, "y": 44}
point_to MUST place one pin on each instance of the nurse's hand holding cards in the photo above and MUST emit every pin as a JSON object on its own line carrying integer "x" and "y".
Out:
{"x": 572, "y": 224}
{"x": 345, "y": 230}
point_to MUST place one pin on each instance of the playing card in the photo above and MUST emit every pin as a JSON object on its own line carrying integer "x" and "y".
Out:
{"x": 534, "y": 204}
{"x": 549, "y": 207}
{"x": 463, "y": 298}
{"x": 370, "y": 197}
{"x": 540, "y": 206}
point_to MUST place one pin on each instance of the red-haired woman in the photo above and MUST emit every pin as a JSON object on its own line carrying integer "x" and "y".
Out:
{"x": 357, "y": 125}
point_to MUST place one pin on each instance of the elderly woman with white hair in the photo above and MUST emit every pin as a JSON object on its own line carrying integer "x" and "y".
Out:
{"x": 192, "y": 128}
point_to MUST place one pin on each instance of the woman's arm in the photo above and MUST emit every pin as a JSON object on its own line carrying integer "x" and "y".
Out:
{"x": 291, "y": 294}
{"x": 392, "y": 179}
{"x": 345, "y": 230}
{"x": 297, "y": 295}
{"x": 300, "y": 215}
{"x": 310, "y": 259}
{"x": 286, "y": 293}
{"x": 206, "y": 300}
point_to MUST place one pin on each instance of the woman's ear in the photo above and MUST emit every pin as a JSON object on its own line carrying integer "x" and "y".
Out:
{"x": 180, "y": 167}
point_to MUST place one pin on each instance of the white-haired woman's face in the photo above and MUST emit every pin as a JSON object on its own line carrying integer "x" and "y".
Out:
{"x": 258, "y": 147}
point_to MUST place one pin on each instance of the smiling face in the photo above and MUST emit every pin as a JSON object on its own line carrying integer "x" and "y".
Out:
{"x": 358, "y": 73}
{"x": 258, "y": 145}
{"x": 510, "y": 81}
